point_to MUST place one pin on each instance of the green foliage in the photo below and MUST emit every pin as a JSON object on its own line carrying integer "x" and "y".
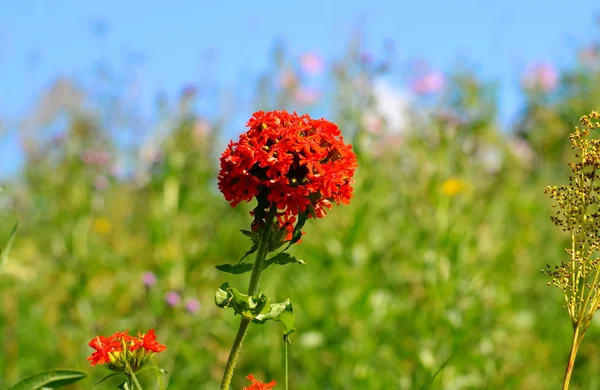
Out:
{"x": 437, "y": 256}
{"x": 245, "y": 305}
{"x": 282, "y": 259}
{"x": 50, "y": 379}
{"x": 430, "y": 381}
{"x": 283, "y": 312}
{"x": 257, "y": 308}
{"x": 235, "y": 269}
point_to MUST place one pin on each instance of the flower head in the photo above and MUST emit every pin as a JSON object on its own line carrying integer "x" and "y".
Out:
{"x": 258, "y": 385}
{"x": 102, "y": 225}
{"x": 122, "y": 350}
{"x": 454, "y": 186}
{"x": 149, "y": 279}
{"x": 306, "y": 95}
{"x": 148, "y": 342}
{"x": 293, "y": 162}
{"x": 543, "y": 77}
{"x": 577, "y": 213}
{"x": 103, "y": 346}
{"x": 98, "y": 158}
{"x": 192, "y": 306}
{"x": 173, "y": 298}
{"x": 311, "y": 63}
{"x": 428, "y": 83}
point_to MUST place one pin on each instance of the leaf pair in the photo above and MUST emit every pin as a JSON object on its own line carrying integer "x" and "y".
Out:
{"x": 280, "y": 259}
{"x": 240, "y": 268}
{"x": 257, "y": 308}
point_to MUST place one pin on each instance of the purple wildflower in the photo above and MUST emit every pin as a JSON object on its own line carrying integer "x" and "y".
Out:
{"x": 149, "y": 279}
{"x": 192, "y": 306}
{"x": 173, "y": 298}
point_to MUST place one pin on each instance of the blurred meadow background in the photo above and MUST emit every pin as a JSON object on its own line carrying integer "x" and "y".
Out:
{"x": 112, "y": 119}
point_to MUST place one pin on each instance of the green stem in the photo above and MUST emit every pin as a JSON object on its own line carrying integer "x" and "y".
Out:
{"x": 234, "y": 353}
{"x": 577, "y": 338}
{"x": 132, "y": 379}
{"x": 261, "y": 254}
{"x": 286, "y": 364}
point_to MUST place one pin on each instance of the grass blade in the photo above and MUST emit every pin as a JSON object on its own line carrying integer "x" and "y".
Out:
{"x": 4, "y": 252}
{"x": 430, "y": 381}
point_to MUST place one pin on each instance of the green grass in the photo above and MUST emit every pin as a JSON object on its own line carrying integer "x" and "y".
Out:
{"x": 404, "y": 281}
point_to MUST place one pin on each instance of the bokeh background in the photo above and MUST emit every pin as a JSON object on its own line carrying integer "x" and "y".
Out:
{"x": 112, "y": 119}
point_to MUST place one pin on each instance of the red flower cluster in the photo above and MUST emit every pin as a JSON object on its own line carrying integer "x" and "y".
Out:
{"x": 119, "y": 342}
{"x": 298, "y": 162}
{"x": 258, "y": 385}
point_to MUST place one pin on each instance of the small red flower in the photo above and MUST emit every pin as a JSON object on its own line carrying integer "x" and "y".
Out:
{"x": 103, "y": 345}
{"x": 123, "y": 336}
{"x": 294, "y": 162}
{"x": 148, "y": 342}
{"x": 258, "y": 385}
{"x": 116, "y": 351}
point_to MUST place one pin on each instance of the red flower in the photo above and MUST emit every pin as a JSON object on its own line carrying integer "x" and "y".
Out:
{"x": 294, "y": 162}
{"x": 258, "y": 385}
{"x": 120, "y": 341}
{"x": 103, "y": 345}
{"x": 148, "y": 342}
{"x": 123, "y": 336}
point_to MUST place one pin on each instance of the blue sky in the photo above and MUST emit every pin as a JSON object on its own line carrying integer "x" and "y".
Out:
{"x": 42, "y": 39}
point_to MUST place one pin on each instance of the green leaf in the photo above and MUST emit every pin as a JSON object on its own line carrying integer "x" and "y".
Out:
{"x": 283, "y": 312}
{"x": 242, "y": 304}
{"x": 282, "y": 259}
{"x": 157, "y": 368}
{"x": 253, "y": 249}
{"x": 108, "y": 376}
{"x": 222, "y": 296}
{"x": 53, "y": 379}
{"x": 235, "y": 269}
{"x": 311, "y": 210}
{"x": 252, "y": 235}
{"x": 4, "y": 252}
{"x": 430, "y": 381}
{"x": 302, "y": 218}
{"x": 257, "y": 308}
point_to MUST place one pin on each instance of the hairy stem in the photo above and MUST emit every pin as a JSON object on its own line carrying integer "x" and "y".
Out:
{"x": 261, "y": 254}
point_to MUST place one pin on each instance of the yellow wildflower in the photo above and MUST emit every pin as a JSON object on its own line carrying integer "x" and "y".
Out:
{"x": 102, "y": 226}
{"x": 452, "y": 187}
